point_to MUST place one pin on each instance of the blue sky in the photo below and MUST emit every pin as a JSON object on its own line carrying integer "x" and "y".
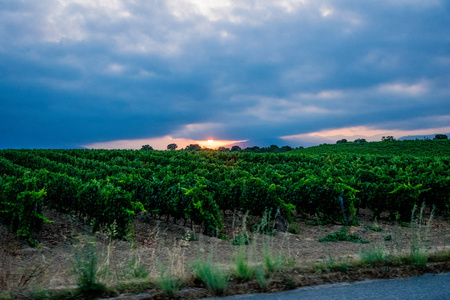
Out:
{"x": 120, "y": 74}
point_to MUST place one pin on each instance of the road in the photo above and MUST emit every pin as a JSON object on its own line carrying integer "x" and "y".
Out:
{"x": 428, "y": 286}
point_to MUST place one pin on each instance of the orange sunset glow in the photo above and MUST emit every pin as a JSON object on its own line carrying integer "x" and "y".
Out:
{"x": 213, "y": 144}
{"x": 162, "y": 142}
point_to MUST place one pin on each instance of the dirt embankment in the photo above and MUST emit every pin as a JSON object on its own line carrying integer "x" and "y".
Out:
{"x": 159, "y": 246}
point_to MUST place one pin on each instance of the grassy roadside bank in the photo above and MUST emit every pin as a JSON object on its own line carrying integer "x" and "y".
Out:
{"x": 284, "y": 279}
{"x": 164, "y": 260}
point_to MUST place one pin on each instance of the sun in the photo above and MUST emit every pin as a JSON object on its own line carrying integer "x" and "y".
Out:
{"x": 210, "y": 141}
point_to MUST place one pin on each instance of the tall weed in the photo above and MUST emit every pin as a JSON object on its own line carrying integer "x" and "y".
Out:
{"x": 86, "y": 269}
{"x": 420, "y": 237}
{"x": 243, "y": 269}
{"x": 168, "y": 284}
{"x": 214, "y": 277}
{"x": 373, "y": 254}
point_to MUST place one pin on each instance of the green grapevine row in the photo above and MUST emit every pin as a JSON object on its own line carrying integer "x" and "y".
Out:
{"x": 109, "y": 187}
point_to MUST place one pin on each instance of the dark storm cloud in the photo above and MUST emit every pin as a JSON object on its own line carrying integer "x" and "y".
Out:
{"x": 79, "y": 72}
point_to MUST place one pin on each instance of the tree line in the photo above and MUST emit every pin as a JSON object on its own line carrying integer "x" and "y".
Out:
{"x": 272, "y": 148}
{"x": 389, "y": 138}
{"x": 235, "y": 148}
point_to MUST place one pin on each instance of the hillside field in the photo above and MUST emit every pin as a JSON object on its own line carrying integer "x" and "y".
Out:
{"x": 318, "y": 210}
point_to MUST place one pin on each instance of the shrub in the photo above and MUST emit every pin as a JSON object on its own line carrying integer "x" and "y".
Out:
{"x": 341, "y": 235}
{"x": 241, "y": 239}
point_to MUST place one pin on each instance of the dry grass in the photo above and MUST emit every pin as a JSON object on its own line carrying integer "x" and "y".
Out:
{"x": 159, "y": 245}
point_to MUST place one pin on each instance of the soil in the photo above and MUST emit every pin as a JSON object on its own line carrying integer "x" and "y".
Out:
{"x": 159, "y": 246}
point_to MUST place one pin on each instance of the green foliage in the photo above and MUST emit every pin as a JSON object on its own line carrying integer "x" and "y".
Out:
{"x": 222, "y": 236}
{"x": 27, "y": 216}
{"x": 272, "y": 263}
{"x": 372, "y": 255}
{"x": 417, "y": 148}
{"x": 62, "y": 192}
{"x": 440, "y": 137}
{"x": 242, "y": 268}
{"x": 201, "y": 208}
{"x": 360, "y": 141}
{"x": 193, "y": 147}
{"x": 138, "y": 269}
{"x": 332, "y": 264}
{"x": 190, "y": 236}
{"x": 241, "y": 239}
{"x": 289, "y": 283}
{"x": 262, "y": 279}
{"x": 388, "y": 138}
{"x": 214, "y": 277}
{"x": 419, "y": 237}
{"x": 342, "y": 235}
{"x": 265, "y": 226}
{"x": 168, "y": 284}
{"x": 404, "y": 198}
{"x": 329, "y": 182}
{"x": 172, "y": 146}
{"x": 293, "y": 229}
{"x": 21, "y": 205}
{"x": 146, "y": 148}
{"x": 374, "y": 228}
{"x": 419, "y": 257}
{"x": 86, "y": 268}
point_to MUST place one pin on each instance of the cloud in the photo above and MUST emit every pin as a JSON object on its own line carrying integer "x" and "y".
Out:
{"x": 81, "y": 72}
{"x": 357, "y": 132}
{"x": 404, "y": 89}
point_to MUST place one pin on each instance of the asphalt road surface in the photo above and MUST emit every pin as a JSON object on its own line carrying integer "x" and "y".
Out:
{"x": 428, "y": 286}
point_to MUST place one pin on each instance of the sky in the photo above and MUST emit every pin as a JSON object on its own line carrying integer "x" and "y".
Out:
{"x": 121, "y": 74}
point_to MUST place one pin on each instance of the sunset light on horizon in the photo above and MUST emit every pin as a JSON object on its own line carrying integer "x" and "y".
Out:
{"x": 161, "y": 143}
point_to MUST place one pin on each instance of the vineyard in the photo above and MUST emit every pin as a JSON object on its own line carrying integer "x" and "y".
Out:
{"x": 418, "y": 148}
{"x": 108, "y": 188}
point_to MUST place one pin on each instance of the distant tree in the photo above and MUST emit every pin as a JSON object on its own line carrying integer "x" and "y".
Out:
{"x": 440, "y": 137}
{"x": 388, "y": 138}
{"x": 273, "y": 148}
{"x": 236, "y": 148}
{"x": 172, "y": 146}
{"x": 193, "y": 147}
{"x": 286, "y": 148}
{"x": 359, "y": 141}
{"x": 223, "y": 149}
{"x": 254, "y": 149}
{"x": 343, "y": 141}
{"x": 146, "y": 147}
